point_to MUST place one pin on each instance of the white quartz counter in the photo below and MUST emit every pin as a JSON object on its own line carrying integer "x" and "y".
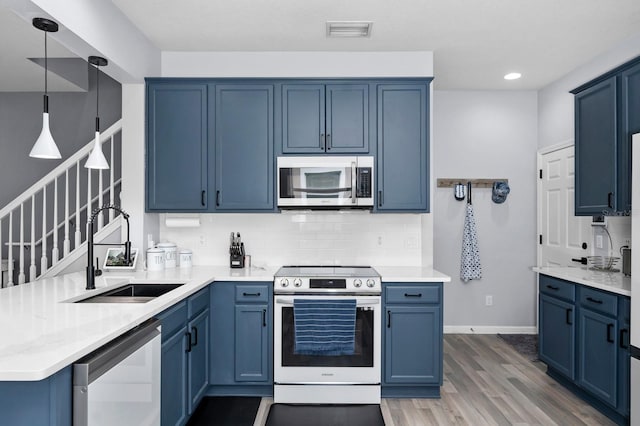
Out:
{"x": 614, "y": 282}
{"x": 414, "y": 274}
{"x": 42, "y": 331}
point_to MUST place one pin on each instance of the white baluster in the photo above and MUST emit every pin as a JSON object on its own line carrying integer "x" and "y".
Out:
{"x": 101, "y": 215}
{"x": 54, "y": 249}
{"x": 66, "y": 245}
{"x": 21, "y": 276}
{"x": 111, "y": 180}
{"x": 78, "y": 234}
{"x": 43, "y": 258}
{"x": 32, "y": 267}
{"x": 10, "y": 256}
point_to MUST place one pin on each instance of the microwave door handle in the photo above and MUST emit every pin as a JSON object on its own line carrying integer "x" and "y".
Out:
{"x": 353, "y": 182}
{"x": 321, "y": 191}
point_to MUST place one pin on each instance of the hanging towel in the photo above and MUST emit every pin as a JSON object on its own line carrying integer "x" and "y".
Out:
{"x": 324, "y": 327}
{"x": 470, "y": 268}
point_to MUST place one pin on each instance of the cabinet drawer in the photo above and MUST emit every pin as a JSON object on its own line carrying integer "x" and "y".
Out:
{"x": 600, "y": 301}
{"x": 173, "y": 319}
{"x": 252, "y": 293}
{"x": 198, "y": 302}
{"x": 413, "y": 294}
{"x": 557, "y": 288}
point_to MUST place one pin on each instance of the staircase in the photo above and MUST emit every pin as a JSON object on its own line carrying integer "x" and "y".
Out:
{"x": 43, "y": 230}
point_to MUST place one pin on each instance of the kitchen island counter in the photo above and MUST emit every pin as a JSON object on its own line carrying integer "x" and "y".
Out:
{"x": 43, "y": 331}
{"x": 415, "y": 274}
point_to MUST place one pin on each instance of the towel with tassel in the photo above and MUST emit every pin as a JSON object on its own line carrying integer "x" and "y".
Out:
{"x": 470, "y": 268}
{"x": 324, "y": 327}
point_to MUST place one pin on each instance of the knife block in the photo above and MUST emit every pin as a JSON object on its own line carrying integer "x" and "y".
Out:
{"x": 236, "y": 258}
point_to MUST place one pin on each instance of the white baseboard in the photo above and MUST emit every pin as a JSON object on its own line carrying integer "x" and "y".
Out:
{"x": 489, "y": 329}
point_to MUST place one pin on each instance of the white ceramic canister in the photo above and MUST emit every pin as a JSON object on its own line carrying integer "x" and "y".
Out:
{"x": 186, "y": 258}
{"x": 170, "y": 254}
{"x": 155, "y": 259}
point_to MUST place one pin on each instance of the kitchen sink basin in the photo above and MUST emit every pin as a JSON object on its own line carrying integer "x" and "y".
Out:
{"x": 131, "y": 293}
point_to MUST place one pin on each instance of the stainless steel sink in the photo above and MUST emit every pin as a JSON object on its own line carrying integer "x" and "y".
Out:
{"x": 131, "y": 293}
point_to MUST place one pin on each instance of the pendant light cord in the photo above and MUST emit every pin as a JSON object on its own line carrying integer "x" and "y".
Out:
{"x": 45, "y": 63}
{"x": 97, "y": 97}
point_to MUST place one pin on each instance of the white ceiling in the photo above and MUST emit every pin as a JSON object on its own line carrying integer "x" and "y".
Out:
{"x": 475, "y": 42}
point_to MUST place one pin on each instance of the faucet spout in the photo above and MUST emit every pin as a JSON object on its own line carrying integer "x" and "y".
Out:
{"x": 91, "y": 270}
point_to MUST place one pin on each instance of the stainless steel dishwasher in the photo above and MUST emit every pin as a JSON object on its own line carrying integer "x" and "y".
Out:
{"x": 119, "y": 384}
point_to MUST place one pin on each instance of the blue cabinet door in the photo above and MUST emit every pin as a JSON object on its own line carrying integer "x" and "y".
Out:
{"x": 198, "y": 358}
{"x": 624, "y": 356}
{"x": 557, "y": 334}
{"x": 347, "y": 118}
{"x": 252, "y": 343}
{"x": 413, "y": 345}
{"x": 174, "y": 379}
{"x": 630, "y": 124}
{"x": 597, "y": 348}
{"x": 403, "y": 147}
{"x": 596, "y": 138}
{"x": 176, "y": 147}
{"x": 303, "y": 124}
{"x": 243, "y": 147}
{"x": 222, "y": 346}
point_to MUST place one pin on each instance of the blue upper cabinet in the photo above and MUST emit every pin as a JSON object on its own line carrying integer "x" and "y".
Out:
{"x": 324, "y": 119}
{"x": 403, "y": 147}
{"x": 176, "y": 146}
{"x": 243, "y": 134}
{"x": 596, "y": 141}
{"x": 607, "y": 113}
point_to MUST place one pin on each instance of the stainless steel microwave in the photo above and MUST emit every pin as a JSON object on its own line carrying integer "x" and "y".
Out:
{"x": 325, "y": 182}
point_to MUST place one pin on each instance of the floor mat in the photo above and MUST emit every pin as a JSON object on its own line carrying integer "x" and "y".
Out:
{"x": 225, "y": 411}
{"x": 324, "y": 415}
{"x": 525, "y": 344}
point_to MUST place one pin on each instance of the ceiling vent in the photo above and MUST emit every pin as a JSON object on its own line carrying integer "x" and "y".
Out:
{"x": 349, "y": 28}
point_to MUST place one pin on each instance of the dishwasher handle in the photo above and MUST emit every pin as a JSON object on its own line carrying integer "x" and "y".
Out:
{"x": 94, "y": 365}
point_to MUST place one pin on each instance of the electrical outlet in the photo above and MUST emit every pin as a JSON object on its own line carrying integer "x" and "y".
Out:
{"x": 488, "y": 300}
{"x": 379, "y": 240}
{"x": 203, "y": 240}
{"x": 599, "y": 241}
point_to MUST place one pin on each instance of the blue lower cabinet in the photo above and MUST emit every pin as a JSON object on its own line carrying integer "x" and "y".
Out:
{"x": 557, "y": 334}
{"x": 185, "y": 352}
{"x": 624, "y": 356}
{"x": 45, "y": 402}
{"x": 251, "y": 332}
{"x": 241, "y": 359}
{"x": 412, "y": 340}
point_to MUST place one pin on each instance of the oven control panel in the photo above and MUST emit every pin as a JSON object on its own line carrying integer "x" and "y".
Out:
{"x": 327, "y": 285}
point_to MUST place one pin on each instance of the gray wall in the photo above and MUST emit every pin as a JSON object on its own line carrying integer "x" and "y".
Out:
{"x": 487, "y": 134}
{"x": 555, "y": 103}
{"x": 72, "y": 117}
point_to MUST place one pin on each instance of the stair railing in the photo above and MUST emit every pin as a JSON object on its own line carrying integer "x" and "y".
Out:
{"x": 76, "y": 181}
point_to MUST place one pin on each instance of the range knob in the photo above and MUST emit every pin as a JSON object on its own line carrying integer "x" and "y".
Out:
{"x": 370, "y": 283}
{"x": 357, "y": 283}
{"x": 297, "y": 282}
{"x": 284, "y": 282}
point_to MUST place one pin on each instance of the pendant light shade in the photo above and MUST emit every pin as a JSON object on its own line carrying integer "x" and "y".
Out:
{"x": 45, "y": 146}
{"x": 97, "y": 159}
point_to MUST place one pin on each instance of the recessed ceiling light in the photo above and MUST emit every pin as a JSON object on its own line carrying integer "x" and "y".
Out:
{"x": 349, "y": 28}
{"x": 512, "y": 76}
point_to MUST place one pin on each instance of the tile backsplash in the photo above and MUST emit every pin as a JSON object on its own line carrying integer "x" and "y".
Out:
{"x": 288, "y": 238}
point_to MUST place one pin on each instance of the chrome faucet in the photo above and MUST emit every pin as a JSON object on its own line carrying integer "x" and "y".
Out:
{"x": 91, "y": 270}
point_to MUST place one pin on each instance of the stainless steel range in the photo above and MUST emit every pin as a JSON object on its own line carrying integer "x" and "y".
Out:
{"x": 327, "y": 335}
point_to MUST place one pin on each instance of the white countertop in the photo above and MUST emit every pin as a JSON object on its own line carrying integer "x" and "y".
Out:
{"x": 410, "y": 274}
{"x": 614, "y": 282}
{"x": 42, "y": 332}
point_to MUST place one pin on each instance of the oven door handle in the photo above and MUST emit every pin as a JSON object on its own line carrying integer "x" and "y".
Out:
{"x": 359, "y": 302}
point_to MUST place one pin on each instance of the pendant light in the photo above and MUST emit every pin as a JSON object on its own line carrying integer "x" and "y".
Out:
{"x": 45, "y": 146}
{"x": 96, "y": 159}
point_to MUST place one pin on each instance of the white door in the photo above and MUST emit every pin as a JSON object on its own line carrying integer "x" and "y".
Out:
{"x": 562, "y": 234}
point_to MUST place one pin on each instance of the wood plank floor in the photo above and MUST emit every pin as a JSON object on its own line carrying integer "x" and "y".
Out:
{"x": 486, "y": 382}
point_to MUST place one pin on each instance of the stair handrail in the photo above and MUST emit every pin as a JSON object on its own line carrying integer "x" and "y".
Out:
{"x": 59, "y": 170}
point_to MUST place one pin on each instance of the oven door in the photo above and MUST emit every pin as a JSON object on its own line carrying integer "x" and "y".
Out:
{"x": 324, "y": 181}
{"x": 363, "y": 367}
